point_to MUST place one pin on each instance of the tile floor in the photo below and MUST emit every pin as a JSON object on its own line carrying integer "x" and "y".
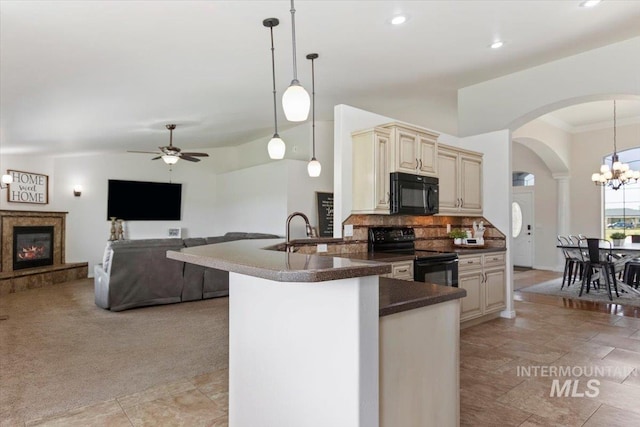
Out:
{"x": 495, "y": 389}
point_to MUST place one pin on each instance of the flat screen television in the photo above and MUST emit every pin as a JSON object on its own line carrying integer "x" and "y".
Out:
{"x": 144, "y": 201}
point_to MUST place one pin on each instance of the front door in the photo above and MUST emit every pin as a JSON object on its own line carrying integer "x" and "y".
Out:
{"x": 522, "y": 227}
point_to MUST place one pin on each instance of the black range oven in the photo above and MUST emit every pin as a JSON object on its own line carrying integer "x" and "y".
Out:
{"x": 429, "y": 266}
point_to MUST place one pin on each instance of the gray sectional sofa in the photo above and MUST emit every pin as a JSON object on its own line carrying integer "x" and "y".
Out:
{"x": 137, "y": 273}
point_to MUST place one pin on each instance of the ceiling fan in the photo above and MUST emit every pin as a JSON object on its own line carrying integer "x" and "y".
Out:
{"x": 171, "y": 154}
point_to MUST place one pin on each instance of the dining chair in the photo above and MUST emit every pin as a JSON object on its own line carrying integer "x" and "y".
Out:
{"x": 600, "y": 262}
{"x": 573, "y": 262}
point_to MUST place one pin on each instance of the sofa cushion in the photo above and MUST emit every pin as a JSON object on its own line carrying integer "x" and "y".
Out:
{"x": 146, "y": 243}
{"x": 194, "y": 241}
{"x": 261, "y": 236}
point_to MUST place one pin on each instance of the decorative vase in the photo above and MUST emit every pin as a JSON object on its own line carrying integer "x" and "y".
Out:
{"x": 618, "y": 242}
{"x": 113, "y": 235}
{"x": 457, "y": 241}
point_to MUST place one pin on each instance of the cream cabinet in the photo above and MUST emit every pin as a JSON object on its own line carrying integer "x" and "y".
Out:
{"x": 371, "y": 168}
{"x": 414, "y": 149}
{"x": 460, "y": 181}
{"x": 483, "y": 276}
{"x": 402, "y": 270}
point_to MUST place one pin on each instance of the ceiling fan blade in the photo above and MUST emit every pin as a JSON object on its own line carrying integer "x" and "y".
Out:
{"x": 196, "y": 154}
{"x": 143, "y": 152}
{"x": 189, "y": 158}
{"x": 156, "y": 158}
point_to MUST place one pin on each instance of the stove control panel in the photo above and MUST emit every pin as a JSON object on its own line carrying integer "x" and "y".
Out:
{"x": 391, "y": 234}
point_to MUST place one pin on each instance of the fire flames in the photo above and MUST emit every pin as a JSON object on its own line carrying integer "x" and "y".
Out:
{"x": 31, "y": 252}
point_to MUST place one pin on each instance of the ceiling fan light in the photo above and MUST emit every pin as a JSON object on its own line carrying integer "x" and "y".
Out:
{"x": 296, "y": 102}
{"x": 170, "y": 159}
{"x": 276, "y": 148}
{"x": 314, "y": 168}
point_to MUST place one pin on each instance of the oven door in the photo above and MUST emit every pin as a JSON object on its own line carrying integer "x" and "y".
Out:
{"x": 441, "y": 270}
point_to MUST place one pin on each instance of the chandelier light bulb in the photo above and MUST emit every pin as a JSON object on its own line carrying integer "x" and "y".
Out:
{"x": 314, "y": 168}
{"x": 617, "y": 166}
{"x": 595, "y": 177}
{"x": 276, "y": 148}
{"x": 604, "y": 168}
{"x": 296, "y": 103}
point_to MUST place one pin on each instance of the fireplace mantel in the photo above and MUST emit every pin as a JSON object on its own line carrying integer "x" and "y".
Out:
{"x": 11, "y": 281}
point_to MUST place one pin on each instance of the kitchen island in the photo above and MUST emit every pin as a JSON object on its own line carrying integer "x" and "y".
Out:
{"x": 307, "y": 345}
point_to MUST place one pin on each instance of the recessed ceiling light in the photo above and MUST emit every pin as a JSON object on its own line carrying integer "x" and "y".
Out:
{"x": 496, "y": 44}
{"x": 589, "y": 3}
{"x": 398, "y": 20}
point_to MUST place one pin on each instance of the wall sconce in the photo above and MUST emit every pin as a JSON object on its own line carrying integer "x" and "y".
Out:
{"x": 6, "y": 180}
{"x": 77, "y": 190}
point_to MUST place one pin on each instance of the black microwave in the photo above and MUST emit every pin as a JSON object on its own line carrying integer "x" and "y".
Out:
{"x": 413, "y": 194}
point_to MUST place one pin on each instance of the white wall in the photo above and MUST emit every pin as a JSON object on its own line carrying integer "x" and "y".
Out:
{"x": 87, "y": 224}
{"x": 545, "y": 256}
{"x": 510, "y": 101}
{"x": 587, "y": 152}
{"x": 217, "y": 196}
{"x": 551, "y": 144}
{"x": 347, "y": 119}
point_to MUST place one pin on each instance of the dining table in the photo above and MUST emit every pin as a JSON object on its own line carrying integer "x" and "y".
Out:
{"x": 621, "y": 255}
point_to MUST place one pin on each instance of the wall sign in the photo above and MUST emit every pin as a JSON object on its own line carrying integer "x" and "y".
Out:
{"x": 325, "y": 214}
{"x": 28, "y": 187}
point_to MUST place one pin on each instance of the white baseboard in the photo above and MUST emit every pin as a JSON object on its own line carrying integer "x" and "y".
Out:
{"x": 508, "y": 314}
{"x": 556, "y": 268}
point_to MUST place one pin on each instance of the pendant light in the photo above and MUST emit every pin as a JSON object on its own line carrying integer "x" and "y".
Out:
{"x": 295, "y": 100}
{"x": 314, "y": 167}
{"x": 619, "y": 173}
{"x": 276, "y": 146}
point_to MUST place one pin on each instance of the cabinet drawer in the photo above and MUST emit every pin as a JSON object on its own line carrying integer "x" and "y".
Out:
{"x": 469, "y": 262}
{"x": 402, "y": 270}
{"x": 494, "y": 259}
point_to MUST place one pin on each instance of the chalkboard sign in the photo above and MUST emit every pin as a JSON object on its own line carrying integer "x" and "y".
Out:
{"x": 325, "y": 214}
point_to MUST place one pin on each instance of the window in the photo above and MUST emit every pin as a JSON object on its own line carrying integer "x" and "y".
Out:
{"x": 622, "y": 206}
{"x": 516, "y": 219}
{"x": 522, "y": 179}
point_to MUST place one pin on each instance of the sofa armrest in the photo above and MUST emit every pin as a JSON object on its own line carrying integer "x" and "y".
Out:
{"x": 101, "y": 286}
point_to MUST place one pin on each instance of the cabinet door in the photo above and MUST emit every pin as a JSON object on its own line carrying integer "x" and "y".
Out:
{"x": 406, "y": 151}
{"x": 494, "y": 289}
{"x": 471, "y": 306}
{"x": 381, "y": 180}
{"x": 448, "y": 174}
{"x": 470, "y": 183}
{"x": 426, "y": 147}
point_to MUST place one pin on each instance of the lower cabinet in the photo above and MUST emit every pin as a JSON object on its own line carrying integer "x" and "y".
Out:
{"x": 483, "y": 276}
{"x": 402, "y": 270}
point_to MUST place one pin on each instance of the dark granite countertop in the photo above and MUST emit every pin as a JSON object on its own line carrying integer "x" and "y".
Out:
{"x": 250, "y": 257}
{"x": 402, "y": 295}
{"x": 378, "y": 256}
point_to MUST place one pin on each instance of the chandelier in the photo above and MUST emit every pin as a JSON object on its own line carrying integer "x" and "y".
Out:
{"x": 619, "y": 173}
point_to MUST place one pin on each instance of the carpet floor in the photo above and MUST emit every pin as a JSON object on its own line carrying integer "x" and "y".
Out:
{"x": 58, "y": 350}
{"x": 552, "y": 287}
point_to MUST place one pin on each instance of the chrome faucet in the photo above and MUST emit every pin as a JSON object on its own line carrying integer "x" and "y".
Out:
{"x": 308, "y": 228}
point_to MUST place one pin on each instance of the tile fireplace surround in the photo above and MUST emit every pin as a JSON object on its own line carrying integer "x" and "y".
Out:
{"x": 37, "y": 277}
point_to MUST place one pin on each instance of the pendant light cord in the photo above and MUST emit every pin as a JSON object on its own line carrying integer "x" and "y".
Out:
{"x": 273, "y": 75}
{"x": 293, "y": 43}
{"x": 313, "y": 113}
{"x": 615, "y": 148}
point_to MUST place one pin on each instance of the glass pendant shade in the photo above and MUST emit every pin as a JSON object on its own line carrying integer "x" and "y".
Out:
{"x": 170, "y": 160}
{"x": 296, "y": 103}
{"x": 276, "y": 148}
{"x": 314, "y": 168}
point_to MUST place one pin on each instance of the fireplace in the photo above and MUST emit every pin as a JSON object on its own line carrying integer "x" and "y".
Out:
{"x": 32, "y": 246}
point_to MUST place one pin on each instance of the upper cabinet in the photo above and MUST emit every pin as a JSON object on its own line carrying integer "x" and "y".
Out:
{"x": 397, "y": 147}
{"x": 460, "y": 181}
{"x": 414, "y": 149}
{"x": 371, "y": 168}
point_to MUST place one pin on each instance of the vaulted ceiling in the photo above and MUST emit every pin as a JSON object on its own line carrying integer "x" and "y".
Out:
{"x": 98, "y": 76}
